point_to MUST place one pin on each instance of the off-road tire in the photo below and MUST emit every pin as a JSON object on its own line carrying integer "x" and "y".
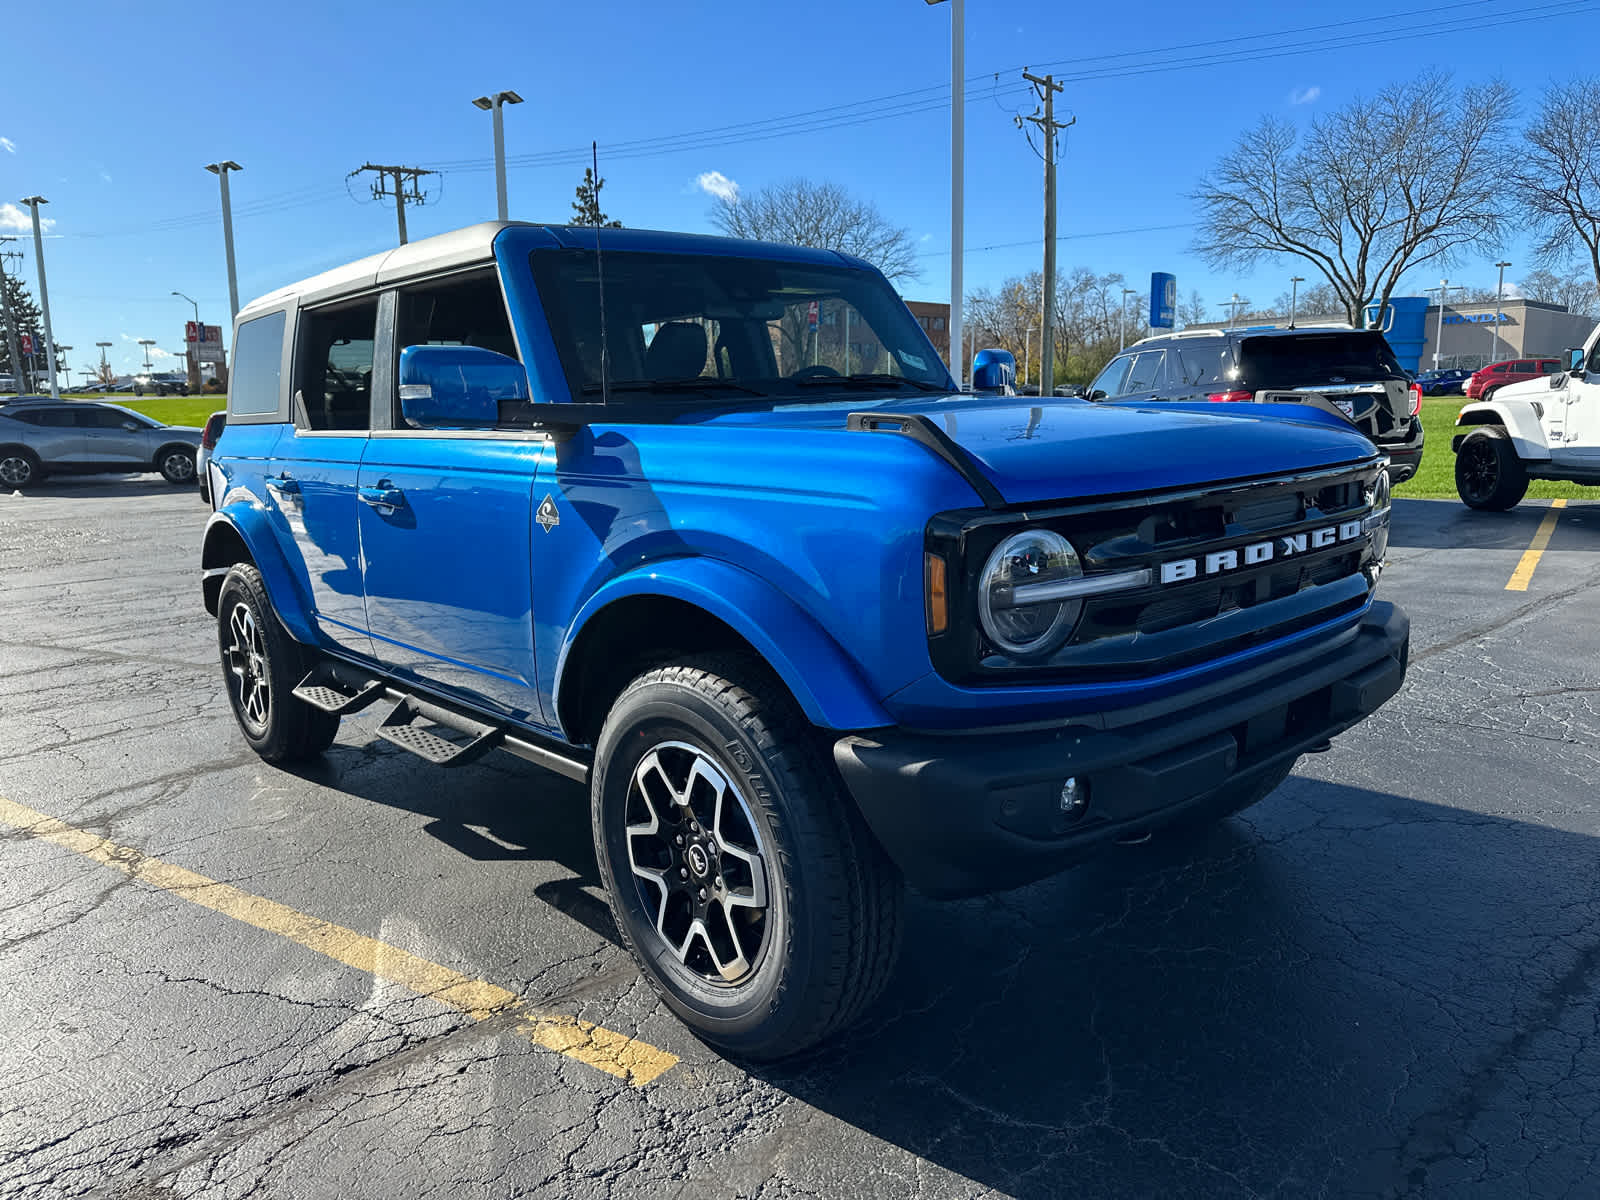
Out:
{"x": 834, "y": 901}
{"x": 278, "y": 727}
{"x": 1489, "y": 475}
{"x": 19, "y": 469}
{"x": 176, "y": 464}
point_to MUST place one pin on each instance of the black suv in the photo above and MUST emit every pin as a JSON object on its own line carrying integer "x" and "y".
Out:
{"x": 1349, "y": 371}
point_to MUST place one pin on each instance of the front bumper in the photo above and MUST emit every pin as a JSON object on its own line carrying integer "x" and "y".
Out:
{"x": 978, "y": 810}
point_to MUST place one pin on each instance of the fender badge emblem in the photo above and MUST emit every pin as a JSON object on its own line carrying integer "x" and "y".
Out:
{"x": 548, "y": 515}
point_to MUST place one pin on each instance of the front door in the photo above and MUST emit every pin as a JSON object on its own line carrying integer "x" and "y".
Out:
{"x": 112, "y": 438}
{"x": 1582, "y": 441}
{"x": 446, "y": 519}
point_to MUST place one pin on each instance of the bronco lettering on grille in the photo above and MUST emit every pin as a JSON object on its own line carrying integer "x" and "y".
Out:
{"x": 1257, "y": 553}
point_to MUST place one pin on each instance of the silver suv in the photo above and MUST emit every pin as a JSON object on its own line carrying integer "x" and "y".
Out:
{"x": 41, "y": 436}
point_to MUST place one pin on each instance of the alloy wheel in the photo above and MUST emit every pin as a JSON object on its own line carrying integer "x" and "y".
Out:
{"x": 698, "y": 862}
{"x": 15, "y": 471}
{"x": 1480, "y": 468}
{"x": 247, "y": 661}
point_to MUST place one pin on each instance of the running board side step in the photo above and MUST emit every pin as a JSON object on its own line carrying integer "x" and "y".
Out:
{"x": 338, "y": 690}
{"x": 401, "y": 728}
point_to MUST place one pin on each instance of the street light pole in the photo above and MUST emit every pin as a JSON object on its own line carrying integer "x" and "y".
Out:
{"x": 220, "y": 170}
{"x": 191, "y": 356}
{"x": 492, "y": 104}
{"x": 1498, "y": 289}
{"x": 66, "y": 370}
{"x": 1122, "y": 323}
{"x": 1027, "y": 352}
{"x": 104, "y": 371}
{"x": 33, "y": 202}
{"x": 1294, "y": 296}
{"x": 958, "y": 112}
{"x": 147, "y": 343}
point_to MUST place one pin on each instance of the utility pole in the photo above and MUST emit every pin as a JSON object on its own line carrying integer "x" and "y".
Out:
{"x": 405, "y": 188}
{"x": 1294, "y": 295}
{"x": 1047, "y": 87}
{"x": 220, "y": 170}
{"x": 33, "y": 202}
{"x": 5, "y": 309}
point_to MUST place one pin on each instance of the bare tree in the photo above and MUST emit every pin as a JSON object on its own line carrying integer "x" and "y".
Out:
{"x": 1194, "y": 310}
{"x": 1573, "y": 288}
{"x": 1557, "y": 180}
{"x": 1383, "y": 185}
{"x": 799, "y": 212}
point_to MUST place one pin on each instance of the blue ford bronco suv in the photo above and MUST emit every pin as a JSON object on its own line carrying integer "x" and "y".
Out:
{"x": 707, "y": 526}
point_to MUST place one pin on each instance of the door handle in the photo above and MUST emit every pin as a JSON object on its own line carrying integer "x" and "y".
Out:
{"x": 385, "y": 495}
{"x": 284, "y": 485}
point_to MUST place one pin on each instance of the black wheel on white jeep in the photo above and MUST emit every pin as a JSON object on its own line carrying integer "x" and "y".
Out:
{"x": 1489, "y": 475}
{"x": 261, "y": 664}
{"x": 741, "y": 879}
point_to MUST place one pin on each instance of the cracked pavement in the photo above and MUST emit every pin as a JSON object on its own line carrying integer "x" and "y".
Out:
{"x": 1381, "y": 981}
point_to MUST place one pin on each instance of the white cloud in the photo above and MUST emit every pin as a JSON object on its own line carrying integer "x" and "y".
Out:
{"x": 1513, "y": 292}
{"x": 715, "y": 183}
{"x": 1304, "y": 95}
{"x": 19, "y": 220}
{"x": 106, "y": 176}
{"x": 8, "y": 145}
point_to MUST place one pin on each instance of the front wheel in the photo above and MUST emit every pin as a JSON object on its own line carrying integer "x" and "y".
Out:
{"x": 177, "y": 465}
{"x": 1489, "y": 475}
{"x": 741, "y": 879}
{"x": 18, "y": 468}
{"x": 261, "y": 664}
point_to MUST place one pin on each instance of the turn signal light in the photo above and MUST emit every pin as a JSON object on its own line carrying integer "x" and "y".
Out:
{"x": 937, "y": 597}
{"x": 1233, "y": 397}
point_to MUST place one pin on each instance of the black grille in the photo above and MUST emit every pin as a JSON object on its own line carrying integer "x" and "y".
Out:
{"x": 1162, "y": 626}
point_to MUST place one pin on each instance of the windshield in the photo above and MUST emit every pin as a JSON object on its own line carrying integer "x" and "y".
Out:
{"x": 1316, "y": 359}
{"x": 721, "y": 329}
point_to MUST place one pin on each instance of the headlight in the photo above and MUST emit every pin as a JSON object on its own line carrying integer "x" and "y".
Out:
{"x": 1015, "y": 605}
{"x": 1377, "y": 521}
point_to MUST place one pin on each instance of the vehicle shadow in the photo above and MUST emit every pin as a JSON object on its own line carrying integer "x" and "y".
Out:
{"x": 1336, "y": 992}
{"x": 100, "y": 487}
{"x": 1451, "y": 525}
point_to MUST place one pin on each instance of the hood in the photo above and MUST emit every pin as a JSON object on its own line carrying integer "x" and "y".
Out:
{"x": 1071, "y": 448}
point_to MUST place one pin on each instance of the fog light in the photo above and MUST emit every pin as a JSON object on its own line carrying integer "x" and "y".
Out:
{"x": 1074, "y": 797}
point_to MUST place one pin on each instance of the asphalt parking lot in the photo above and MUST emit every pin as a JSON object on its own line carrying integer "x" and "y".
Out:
{"x": 372, "y": 978}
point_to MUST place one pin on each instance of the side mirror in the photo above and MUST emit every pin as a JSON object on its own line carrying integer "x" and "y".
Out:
{"x": 1096, "y": 394}
{"x": 1575, "y": 361}
{"x": 994, "y": 371}
{"x": 131, "y": 426}
{"x": 457, "y": 386}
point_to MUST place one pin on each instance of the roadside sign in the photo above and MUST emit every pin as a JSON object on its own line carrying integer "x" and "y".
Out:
{"x": 811, "y": 316}
{"x": 208, "y": 345}
{"x": 27, "y": 338}
{"x": 1163, "y": 300}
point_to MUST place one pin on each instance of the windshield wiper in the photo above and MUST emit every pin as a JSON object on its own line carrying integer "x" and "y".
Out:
{"x": 867, "y": 379}
{"x": 675, "y": 385}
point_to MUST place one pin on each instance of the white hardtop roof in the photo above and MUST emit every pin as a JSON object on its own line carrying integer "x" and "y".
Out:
{"x": 459, "y": 248}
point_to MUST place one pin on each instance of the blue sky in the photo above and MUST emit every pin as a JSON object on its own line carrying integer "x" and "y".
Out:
{"x": 116, "y": 109}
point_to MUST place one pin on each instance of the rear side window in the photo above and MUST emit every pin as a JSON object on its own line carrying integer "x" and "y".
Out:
{"x": 58, "y": 418}
{"x": 333, "y": 370}
{"x": 1549, "y": 366}
{"x": 257, "y": 366}
{"x": 1314, "y": 359}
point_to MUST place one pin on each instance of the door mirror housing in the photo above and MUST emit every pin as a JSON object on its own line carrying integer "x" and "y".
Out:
{"x": 1575, "y": 361}
{"x": 457, "y": 386}
{"x": 994, "y": 371}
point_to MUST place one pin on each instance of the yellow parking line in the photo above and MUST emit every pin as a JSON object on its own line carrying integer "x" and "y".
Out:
{"x": 616, "y": 1054}
{"x": 1523, "y": 575}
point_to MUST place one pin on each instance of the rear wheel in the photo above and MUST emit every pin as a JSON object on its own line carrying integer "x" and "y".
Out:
{"x": 19, "y": 468}
{"x": 261, "y": 664}
{"x": 1489, "y": 475}
{"x": 741, "y": 878}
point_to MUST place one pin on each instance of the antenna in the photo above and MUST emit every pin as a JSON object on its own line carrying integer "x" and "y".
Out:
{"x": 600, "y": 273}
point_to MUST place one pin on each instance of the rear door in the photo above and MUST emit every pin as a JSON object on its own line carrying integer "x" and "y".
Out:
{"x": 53, "y": 434}
{"x": 446, "y": 517}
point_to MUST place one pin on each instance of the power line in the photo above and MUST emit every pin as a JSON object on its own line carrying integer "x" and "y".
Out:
{"x": 406, "y": 189}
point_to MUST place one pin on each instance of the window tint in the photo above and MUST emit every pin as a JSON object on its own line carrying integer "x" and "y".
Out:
{"x": 106, "y": 418}
{"x": 333, "y": 372}
{"x": 1498, "y": 369}
{"x": 1109, "y": 382}
{"x": 1312, "y": 359}
{"x": 257, "y": 366}
{"x": 1548, "y": 366}
{"x": 1195, "y": 365}
{"x": 1146, "y": 373}
{"x": 57, "y": 418}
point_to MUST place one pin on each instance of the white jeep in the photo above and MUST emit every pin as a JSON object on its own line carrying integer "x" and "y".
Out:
{"x": 1542, "y": 429}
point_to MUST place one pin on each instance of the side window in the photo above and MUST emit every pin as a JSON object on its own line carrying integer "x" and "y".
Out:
{"x": 1146, "y": 374}
{"x": 1498, "y": 369}
{"x": 1549, "y": 367}
{"x": 257, "y": 363}
{"x": 1195, "y": 365}
{"x": 103, "y": 418}
{"x": 1109, "y": 382}
{"x": 56, "y": 418}
{"x": 465, "y": 310}
{"x": 1523, "y": 368}
{"x": 333, "y": 365}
